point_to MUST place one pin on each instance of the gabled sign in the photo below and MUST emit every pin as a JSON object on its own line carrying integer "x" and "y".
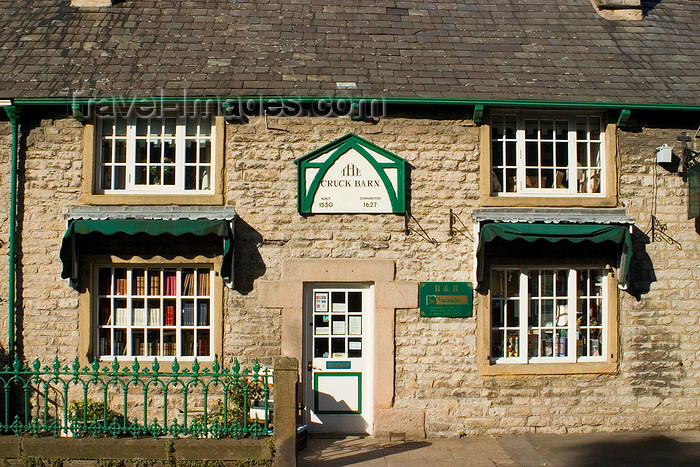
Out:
{"x": 351, "y": 175}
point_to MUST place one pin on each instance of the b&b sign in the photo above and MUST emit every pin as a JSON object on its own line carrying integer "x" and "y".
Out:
{"x": 446, "y": 299}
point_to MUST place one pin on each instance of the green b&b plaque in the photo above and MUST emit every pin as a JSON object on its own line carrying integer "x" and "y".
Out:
{"x": 446, "y": 299}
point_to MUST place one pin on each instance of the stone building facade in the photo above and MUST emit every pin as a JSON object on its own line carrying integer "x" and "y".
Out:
{"x": 437, "y": 382}
{"x": 422, "y": 375}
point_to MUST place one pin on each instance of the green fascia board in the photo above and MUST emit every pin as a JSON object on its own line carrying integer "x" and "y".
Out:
{"x": 340, "y": 146}
{"x": 70, "y": 245}
{"x": 65, "y": 101}
{"x": 575, "y": 233}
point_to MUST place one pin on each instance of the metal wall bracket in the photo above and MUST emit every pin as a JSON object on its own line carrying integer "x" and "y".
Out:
{"x": 478, "y": 113}
{"x": 454, "y": 230}
{"x": 420, "y": 231}
{"x": 77, "y": 112}
{"x": 622, "y": 119}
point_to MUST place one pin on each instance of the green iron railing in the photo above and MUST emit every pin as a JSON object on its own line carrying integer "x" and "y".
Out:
{"x": 112, "y": 400}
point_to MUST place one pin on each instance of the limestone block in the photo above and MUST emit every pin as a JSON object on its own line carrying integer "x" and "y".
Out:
{"x": 410, "y": 421}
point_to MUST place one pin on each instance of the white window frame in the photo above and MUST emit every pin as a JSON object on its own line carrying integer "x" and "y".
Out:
{"x": 180, "y": 138}
{"x": 574, "y": 170}
{"x": 130, "y": 296}
{"x": 525, "y": 298}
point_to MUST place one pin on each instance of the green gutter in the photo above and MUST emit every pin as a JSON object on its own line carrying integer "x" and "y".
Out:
{"x": 13, "y": 113}
{"x": 72, "y": 102}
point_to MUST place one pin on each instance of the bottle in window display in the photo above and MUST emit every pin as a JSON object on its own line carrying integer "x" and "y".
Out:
{"x": 512, "y": 347}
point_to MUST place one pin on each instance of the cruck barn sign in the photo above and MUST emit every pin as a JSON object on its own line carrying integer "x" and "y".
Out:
{"x": 350, "y": 176}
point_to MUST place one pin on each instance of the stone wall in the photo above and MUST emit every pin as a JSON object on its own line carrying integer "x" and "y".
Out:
{"x": 658, "y": 380}
{"x": 5, "y": 153}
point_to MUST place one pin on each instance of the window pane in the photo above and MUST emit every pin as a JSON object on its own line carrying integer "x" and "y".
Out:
{"x": 169, "y": 175}
{"x": 190, "y": 178}
{"x": 512, "y": 313}
{"x": 141, "y": 151}
{"x": 205, "y": 126}
{"x": 513, "y": 285}
{"x": 154, "y": 176}
{"x": 497, "y": 315}
{"x": 547, "y": 283}
{"x": 170, "y": 124}
{"x": 497, "y": 154}
{"x": 497, "y": 130}
{"x": 107, "y": 126}
{"x": 562, "y": 159}
{"x": 595, "y": 155}
{"x": 547, "y": 343}
{"x": 497, "y": 347}
{"x": 511, "y": 153}
{"x": 513, "y": 349}
{"x": 581, "y": 128}
{"x": 140, "y": 173}
{"x": 141, "y": 127}
{"x": 191, "y": 151}
{"x": 562, "y": 279}
{"x": 106, "y": 151}
{"x": 511, "y": 184}
{"x": 107, "y": 178}
{"x": 169, "y": 151}
{"x": 510, "y": 124}
{"x": 120, "y": 129}
{"x": 204, "y": 178}
{"x": 532, "y": 156}
{"x": 547, "y": 154}
{"x": 547, "y": 129}
{"x": 205, "y": 152}
{"x": 120, "y": 151}
{"x": 155, "y": 152}
{"x": 531, "y": 129}
{"x": 562, "y": 130}
{"x": 547, "y": 312}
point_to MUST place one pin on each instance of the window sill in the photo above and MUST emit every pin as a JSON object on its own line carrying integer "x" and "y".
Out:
{"x": 549, "y": 201}
{"x": 146, "y": 199}
{"x": 506, "y": 369}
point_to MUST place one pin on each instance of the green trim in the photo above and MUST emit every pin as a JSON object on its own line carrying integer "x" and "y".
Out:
{"x": 339, "y": 147}
{"x": 70, "y": 246}
{"x": 478, "y": 113}
{"x": 388, "y": 100}
{"x": 624, "y": 116}
{"x": 575, "y": 233}
{"x": 13, "y": 113}
{"x": 339, "y": 412}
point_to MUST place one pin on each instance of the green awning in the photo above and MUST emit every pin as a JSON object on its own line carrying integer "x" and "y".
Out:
{"x": 575, "y": 233}
{"x": 70, "y": 247}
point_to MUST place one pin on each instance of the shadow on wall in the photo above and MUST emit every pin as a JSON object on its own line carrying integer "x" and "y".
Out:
{"x": 655, "y": 368}
{"x": 645, "y": 450}
{"x": 249, "y": 264}
{"x": 641, "y": 274}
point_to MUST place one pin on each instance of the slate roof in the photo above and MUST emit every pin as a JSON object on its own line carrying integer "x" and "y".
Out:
{"x": 558, "y": 50}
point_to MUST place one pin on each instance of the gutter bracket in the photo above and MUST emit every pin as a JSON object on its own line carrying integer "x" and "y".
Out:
{"x": 77, "y": 112}
{"x": 622, "y": 119}
{"x": 478, "y": 113}
{"x": 233, "y": 113}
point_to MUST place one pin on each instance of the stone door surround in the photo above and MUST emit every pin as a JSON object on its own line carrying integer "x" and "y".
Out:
{"x": 389, "y": 294}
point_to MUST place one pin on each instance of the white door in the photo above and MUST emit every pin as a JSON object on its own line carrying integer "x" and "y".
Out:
{"x": 338, "y": 357}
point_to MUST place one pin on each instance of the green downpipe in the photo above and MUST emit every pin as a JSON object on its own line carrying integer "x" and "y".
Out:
{"x": 13, "y": 113}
